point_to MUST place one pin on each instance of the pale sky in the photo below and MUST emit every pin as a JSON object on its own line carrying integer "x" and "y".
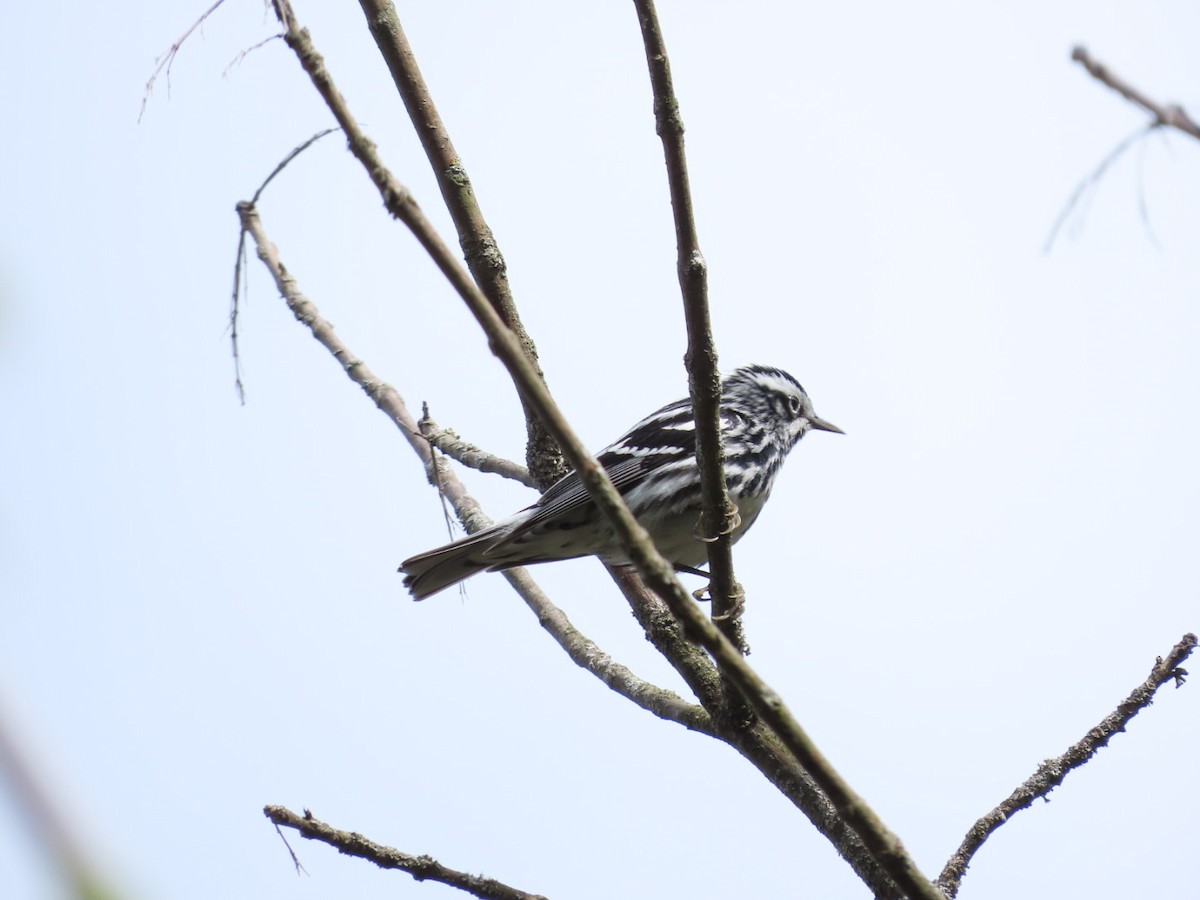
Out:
{"x": 199, "y": 609}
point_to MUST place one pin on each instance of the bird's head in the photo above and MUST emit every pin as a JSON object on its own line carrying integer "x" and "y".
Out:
{"x": 772, "y": 397}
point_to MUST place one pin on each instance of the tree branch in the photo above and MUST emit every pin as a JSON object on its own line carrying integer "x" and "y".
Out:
{"x": 238, "y": 273}
{"x": 766, "y": 752}
{"x": 753, "y": 740}
{"x": 882, "y": 844}
{"x": 663, "y": 630}
{"x": 471, "y": 456}
{"x": 164, "y": 62}
{"x": 1052, "y": 772}
{"x": 1172, "y": 116}
{"x": 582, "y": 650}
{"x": 757, "y": 744}
{"x": 479, "y": 247}
{"x": 586, "y": 654}
{"x": 422, "y": 868}
{"x": 718, "y": 518}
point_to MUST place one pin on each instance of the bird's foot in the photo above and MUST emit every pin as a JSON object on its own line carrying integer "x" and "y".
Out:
{"x": 734, "y": 521}
{"x": 737, "y": 606}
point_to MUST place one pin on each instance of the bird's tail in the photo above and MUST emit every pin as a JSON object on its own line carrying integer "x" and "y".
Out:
{"x": 435, "y": 570}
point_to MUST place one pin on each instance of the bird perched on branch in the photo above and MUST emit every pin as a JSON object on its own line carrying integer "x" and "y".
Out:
{"x": 764, "y": 412}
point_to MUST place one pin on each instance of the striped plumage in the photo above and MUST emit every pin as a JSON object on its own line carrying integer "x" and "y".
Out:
{"x": 764, "y": 412}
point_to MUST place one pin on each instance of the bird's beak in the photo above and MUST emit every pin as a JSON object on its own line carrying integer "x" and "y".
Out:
{"x": 822, "y": 425}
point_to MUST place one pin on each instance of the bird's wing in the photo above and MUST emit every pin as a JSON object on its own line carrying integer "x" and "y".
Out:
{"x": 568, "y": 493}
{"x": 627, "y": 460}
{"x": 567, "y": 496}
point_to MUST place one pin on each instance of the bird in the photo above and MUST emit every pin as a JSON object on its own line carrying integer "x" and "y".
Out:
{"x": 764, "y": 412}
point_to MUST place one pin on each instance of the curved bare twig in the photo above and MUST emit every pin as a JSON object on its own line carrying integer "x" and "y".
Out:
{"x": 238, "y": 272}
{"x": 1168, "y": 115}
{"x": 1162, "y": 116}
{"x": 471, "y": 456}
{"x": 167, "y": 59}
{"x": 422, "y": 868}
{"x": 1092, "y": 180}
{"x": 1052, "y": 772}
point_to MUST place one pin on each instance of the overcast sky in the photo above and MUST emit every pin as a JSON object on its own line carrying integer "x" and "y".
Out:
{"x": 199, "y": 610}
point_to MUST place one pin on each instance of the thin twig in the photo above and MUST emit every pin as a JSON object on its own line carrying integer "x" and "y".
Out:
{"x": 704, "y": 380}
{"x": 1169, "y": 115}
{"x": 479, "y": 246}
{"x": 167, "y": 59}
{"x": 1052, "y": 772}
{"x": 1143, "y": 208}
{"x": 634, "y": 539}
{"x": 292, "y": 154}
{"x": 1162, "y": 116}
{"x": 300, "y": 870}
{"x": 583, "y": 651}
{"x": 246, "y": 51}
{"x": 238, "y": 273}
{"x": 471, "y": 456}
{"x": 422, "y": 868}
{"x": 435, "y": 478}
{"x": 1093, "y": 180}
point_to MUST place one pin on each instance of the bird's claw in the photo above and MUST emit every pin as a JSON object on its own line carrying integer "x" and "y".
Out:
{"x": 737, "y": 606}
{"x": 737, "y": 602}
{"x": 733, "y": 516}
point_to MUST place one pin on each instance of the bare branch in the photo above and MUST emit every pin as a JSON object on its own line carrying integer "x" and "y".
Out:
{"x": 1163, "y": 116}
{"x": 243, "y": 53}
{"x": 1091, "y": 181}
{"x": 238, "y": 272}
{"x": 1171, "y": 116}
{"x": 422, "y": 868}
{"x": 587, "y": 655}
{"x": 292, "y": 154}
{"x": 471, "y": 456}
{"x": 1052, "y": 772}
{"x": 882, "y": 844}
{"x": 582, "y": 650}
{"x": 752, "y": 739}
{"x": 756, "y": 743}
{"x": 479, "y": 246}
{"x": 663, "y": 630}
{"x": 167, "y": 59}
{"x": 764, "y": 749}
{"x": 300, "y": 870}
{"x": 719, "y": 517}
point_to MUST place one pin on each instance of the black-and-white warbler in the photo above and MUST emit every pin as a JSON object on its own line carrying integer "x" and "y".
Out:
{"x": 764, "y": 412}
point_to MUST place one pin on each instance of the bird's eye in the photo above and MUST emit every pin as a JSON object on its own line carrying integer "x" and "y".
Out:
{"x": 794, "y": 405}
